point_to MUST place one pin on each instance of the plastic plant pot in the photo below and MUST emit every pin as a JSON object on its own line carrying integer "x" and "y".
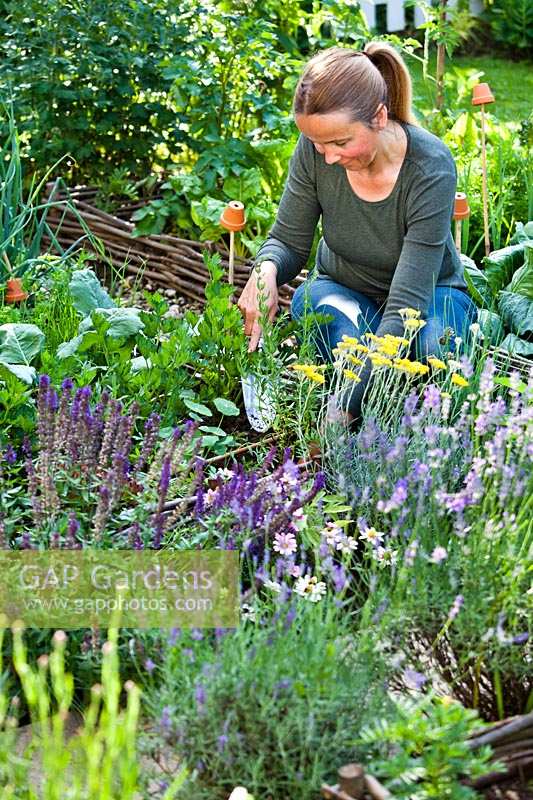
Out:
{"x": 232, "y": 218}
{"x": 14, "y": 291}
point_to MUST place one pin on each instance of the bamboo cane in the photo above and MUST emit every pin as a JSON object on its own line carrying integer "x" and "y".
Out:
{"x": 480, "y": 97}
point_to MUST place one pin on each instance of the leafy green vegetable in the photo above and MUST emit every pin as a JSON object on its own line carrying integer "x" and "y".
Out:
{"x": 491, "y": 326}
{"x": 522, "y": 281}
{"x": 21, "y": 371}
{"x": 198, "y": 408}
{"x": 517, "y": 346}
{"x": 87, "y": 292}
{"x": 517, "y": 312}
{"x": 226, "y": 407}
{"x": 501, "y": 265}
{"x": 67, "y": 349}
{"x": 122, "y": 322}
{"x": 477, "y": 283}
{"x": 20, "y": 342}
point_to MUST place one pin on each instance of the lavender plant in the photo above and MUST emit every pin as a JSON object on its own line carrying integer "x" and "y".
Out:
{"x": 445, "y": 537}
{"x": 272, "y": 705}
{"x": 89, "y": 482}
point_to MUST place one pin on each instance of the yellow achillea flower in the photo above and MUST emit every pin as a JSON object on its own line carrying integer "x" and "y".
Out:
{"x": 346, "y": 346}
{"x": 388, "y": 348}
{"x": 350, "y": 339}
{"x": 413, "y": 324}
{"x": 307, "y": 367}
{"x": 421, "y": 369}
{"x": 351, "y": 375}
{"x": 412, "y": 367}
{"x": 399, "y": 340}
{"x": 436, "y": 363}
{"x": 458, "y": 380}
{"x": 310, "y": 371}
{"x": 408, "y": 313}
{"x": 404, "y": 365}
{"x": 360, "y": 348}
{"x": 371, "y": 337}
{"x": 300, "y": 367}
{"x": 380, "y": 361}
{"x": 355, "y": 360}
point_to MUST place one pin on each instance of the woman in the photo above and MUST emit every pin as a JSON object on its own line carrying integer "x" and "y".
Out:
{"x": 384, "y": 189}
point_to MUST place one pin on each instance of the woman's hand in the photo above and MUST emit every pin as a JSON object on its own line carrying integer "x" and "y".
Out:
{"x": 248, "y": 303}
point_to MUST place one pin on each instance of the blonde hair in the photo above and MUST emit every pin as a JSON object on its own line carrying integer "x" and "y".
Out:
{"x": 356, "y": 81}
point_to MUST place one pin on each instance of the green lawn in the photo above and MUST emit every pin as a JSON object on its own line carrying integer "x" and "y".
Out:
{"x": 511, "y": 83}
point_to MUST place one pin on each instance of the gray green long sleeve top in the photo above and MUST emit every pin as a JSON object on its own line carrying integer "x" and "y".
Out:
{"x": 395, "y": 250}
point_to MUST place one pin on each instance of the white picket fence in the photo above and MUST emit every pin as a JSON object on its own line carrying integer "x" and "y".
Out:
{"x": 396, "y": 12}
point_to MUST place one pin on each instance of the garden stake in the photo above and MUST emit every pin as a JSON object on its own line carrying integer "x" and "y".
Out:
{"x": 461, "y": 211}
{"x": 481, "y": 95}
{"x": 233, "y": 219}
{"x": 355, "y": 785}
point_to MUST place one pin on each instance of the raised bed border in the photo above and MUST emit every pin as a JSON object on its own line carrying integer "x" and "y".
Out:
{"x": 168, "y": 262}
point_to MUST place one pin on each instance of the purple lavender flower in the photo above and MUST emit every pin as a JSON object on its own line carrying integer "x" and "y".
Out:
{"x": 431, "y": 398}
{"x": 149, "y": 665}
{"x": 10, "y": 455}
{"x": 456, "y": 607}
{"x": 410, "y": 553}
{"x": 398, "y": 498}
{"x": 200, "y": 696}
{"x": 173, "y": 636}
{"x": 26, "y": 541}
{"x": 414, "y": 679}
{"x": 165, "y": 720}
{"x": 339, "y": 577}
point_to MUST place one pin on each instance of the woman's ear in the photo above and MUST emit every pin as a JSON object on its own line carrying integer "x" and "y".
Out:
{"x": 381, "y": 118}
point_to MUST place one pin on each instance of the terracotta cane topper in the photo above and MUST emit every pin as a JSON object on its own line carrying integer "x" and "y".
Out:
{"x": 461, "y": 211}
{"x": 14, "y": 291}
{"x": 481, "y": 95}
{"x": 233, "y": 219}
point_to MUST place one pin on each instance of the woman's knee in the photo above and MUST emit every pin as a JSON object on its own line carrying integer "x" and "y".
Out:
{"x": 447, "y": 325}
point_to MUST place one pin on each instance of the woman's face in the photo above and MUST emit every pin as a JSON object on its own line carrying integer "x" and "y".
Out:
{"x": 340, "y": 141}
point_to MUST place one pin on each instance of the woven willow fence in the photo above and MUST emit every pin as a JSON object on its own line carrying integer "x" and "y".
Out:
{"x": 166, "y": 261}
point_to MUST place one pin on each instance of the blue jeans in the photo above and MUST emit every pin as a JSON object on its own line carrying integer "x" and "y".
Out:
{"x": 354, "y": 314}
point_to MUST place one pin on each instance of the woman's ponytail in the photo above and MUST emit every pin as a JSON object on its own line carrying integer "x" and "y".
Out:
{"x": 396, "y": 76}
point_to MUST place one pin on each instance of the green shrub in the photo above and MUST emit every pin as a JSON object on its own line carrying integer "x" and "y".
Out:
{"x": 85, "y": 80}
{"x": 511, "y": 23}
